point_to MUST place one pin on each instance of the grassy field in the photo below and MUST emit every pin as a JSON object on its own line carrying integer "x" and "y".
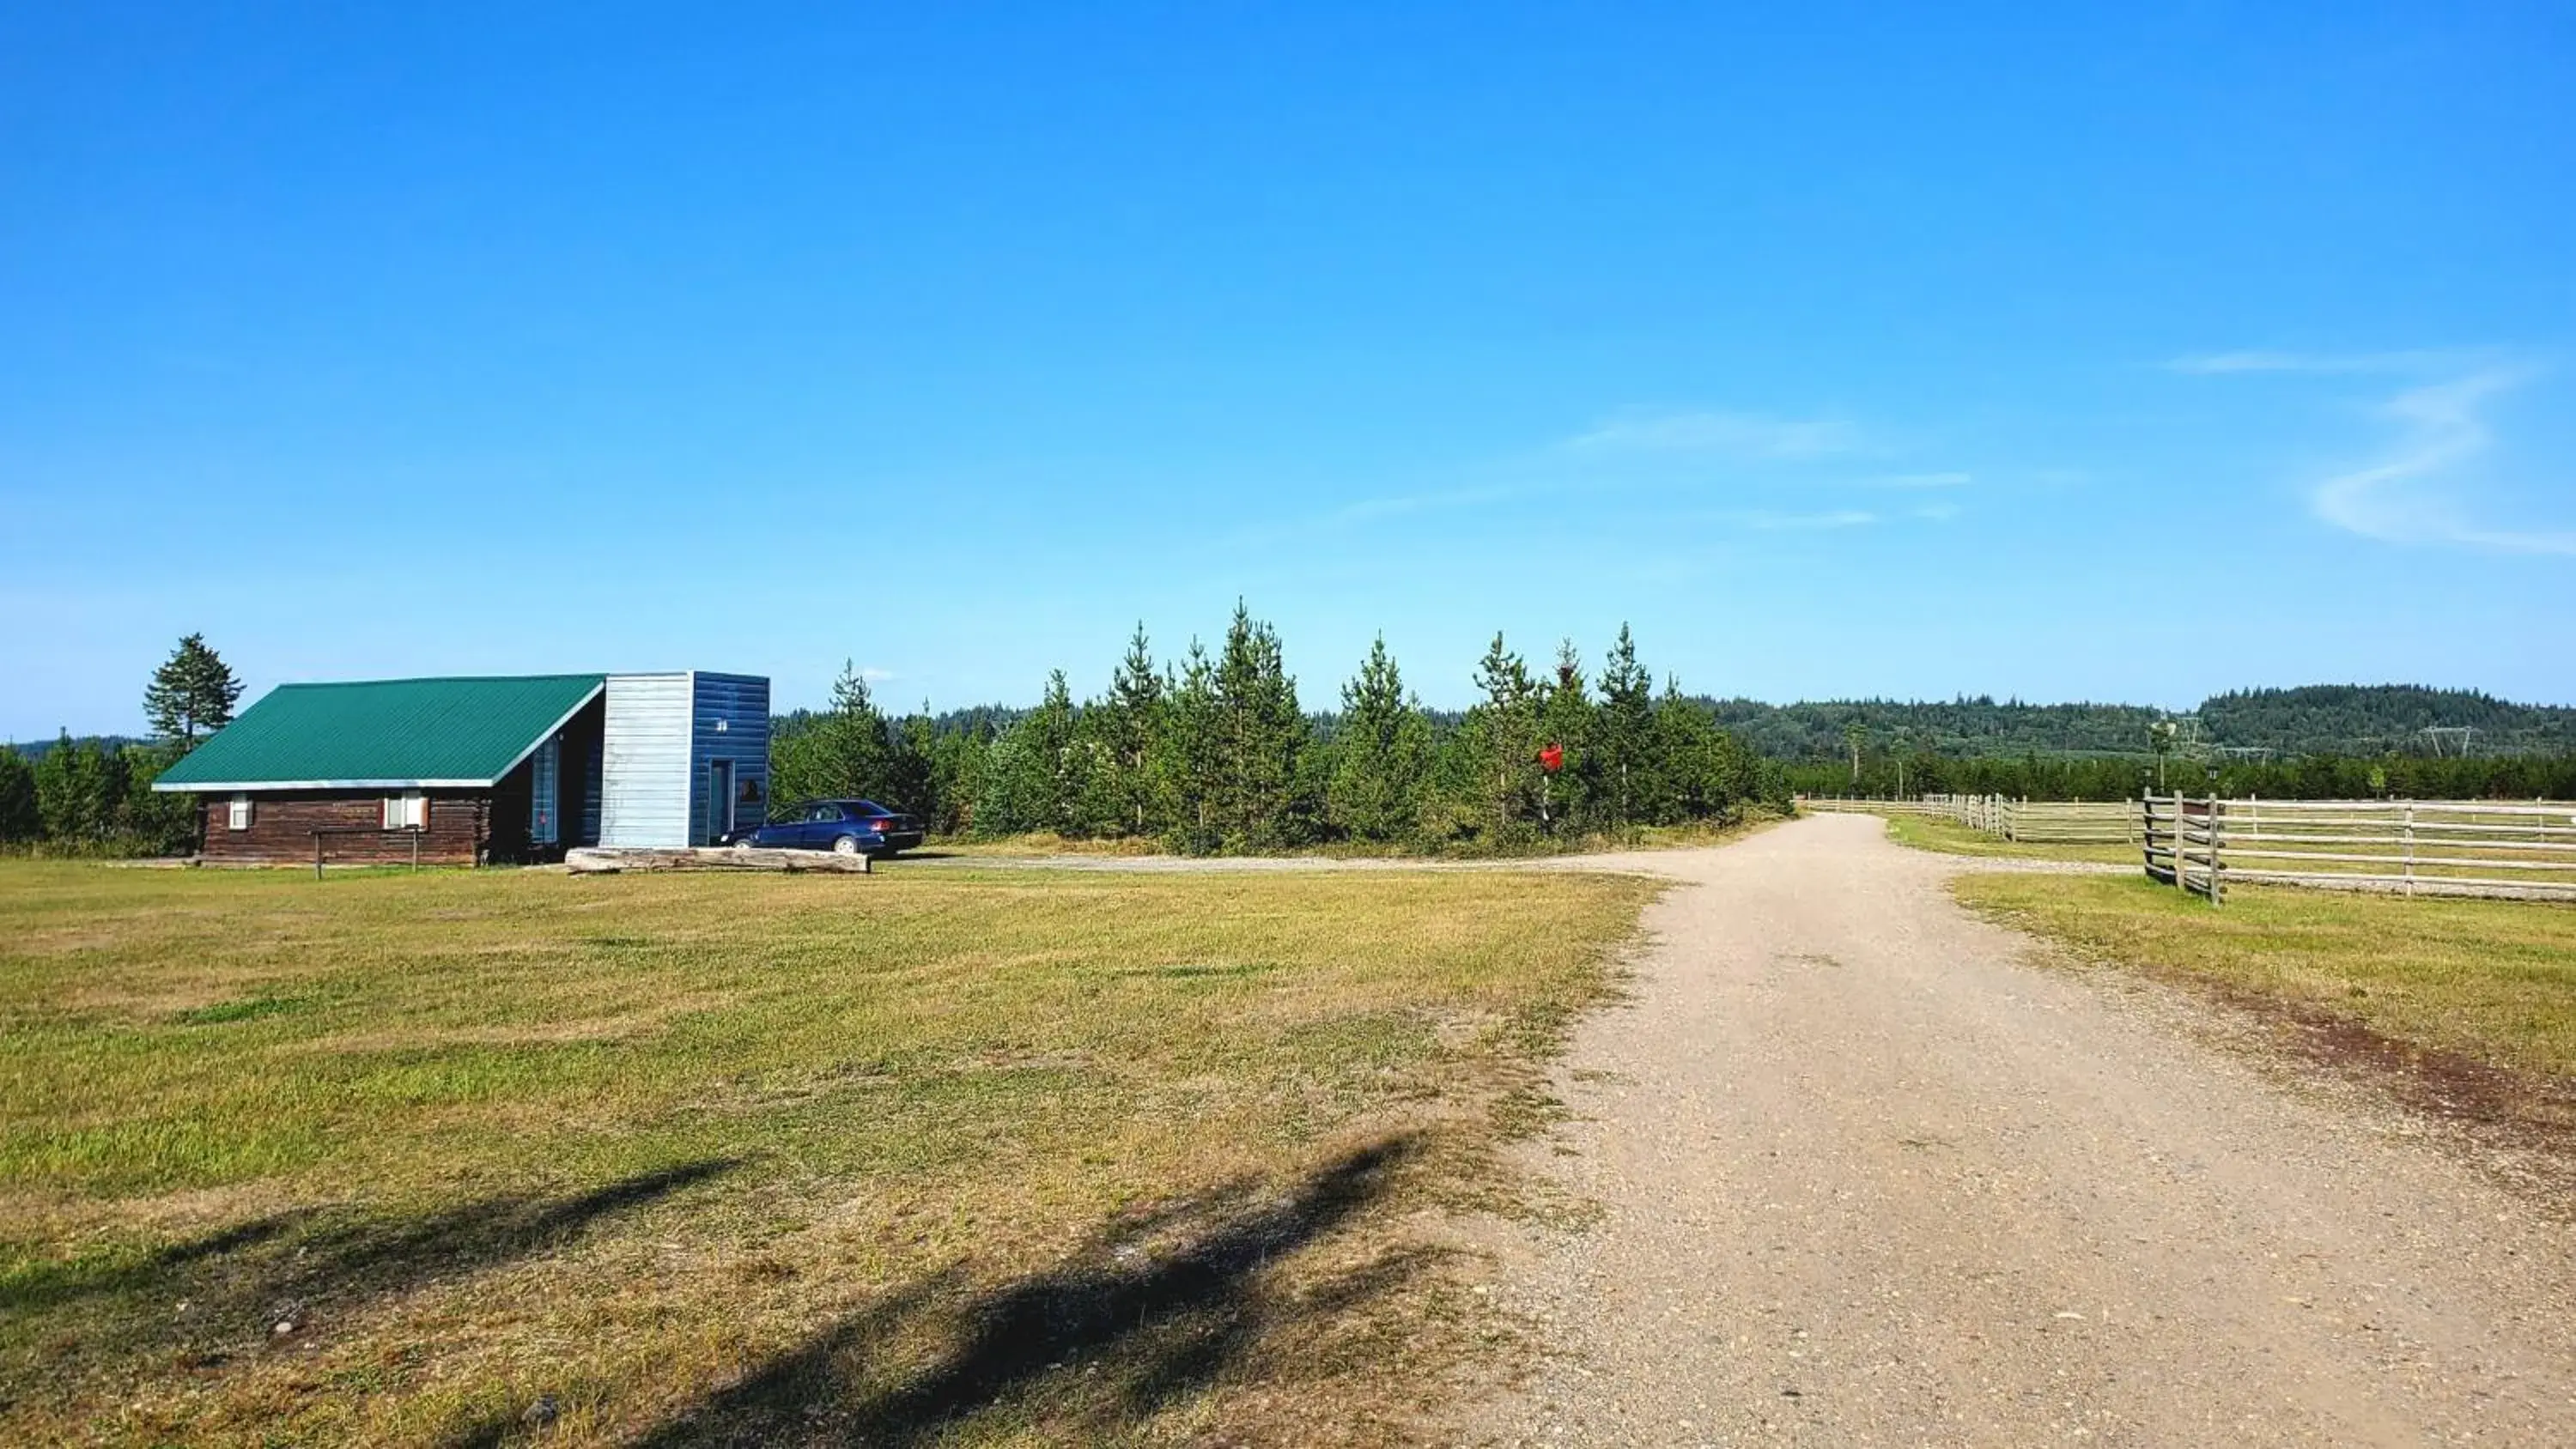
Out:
{"x": 938, "y": 1155}
{"x": 1950, "y": 838}
{"x": 2492, "y": 981}
{"x": 1694, "y": 835}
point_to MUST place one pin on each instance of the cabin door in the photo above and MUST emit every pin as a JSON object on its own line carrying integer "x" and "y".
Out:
{"x": 719, "y": 801}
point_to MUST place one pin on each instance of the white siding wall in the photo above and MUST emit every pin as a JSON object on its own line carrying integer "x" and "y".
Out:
{"x": 644, "y": 761}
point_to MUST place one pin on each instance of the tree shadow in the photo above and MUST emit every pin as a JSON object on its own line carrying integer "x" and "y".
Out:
{"x": 214, "y": 1298}
{"x": 1149, "y": 1312}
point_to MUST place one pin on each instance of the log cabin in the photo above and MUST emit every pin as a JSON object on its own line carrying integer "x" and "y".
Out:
{"x": 480, "y": 770}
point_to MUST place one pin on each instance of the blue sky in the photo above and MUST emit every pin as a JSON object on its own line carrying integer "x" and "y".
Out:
{"x": 2129, "y": 355}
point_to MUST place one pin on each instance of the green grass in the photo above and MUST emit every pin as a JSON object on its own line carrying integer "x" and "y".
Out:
{"x": 802, "y": 1155}
{"x": 1691, "y": 835}
{"x": 1950, "y": 838}
{"x": 2491, "y": 980}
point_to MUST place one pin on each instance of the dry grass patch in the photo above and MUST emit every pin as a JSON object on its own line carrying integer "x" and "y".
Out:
{"x": 2494, "y": 981}
{"x": 965, "y": 1156}
{"x": 1948, "y": 837}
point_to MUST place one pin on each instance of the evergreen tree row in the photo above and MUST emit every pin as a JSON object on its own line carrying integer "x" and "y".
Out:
{"x": 1909, "y": 773}
{"x": 1213, "y": 752}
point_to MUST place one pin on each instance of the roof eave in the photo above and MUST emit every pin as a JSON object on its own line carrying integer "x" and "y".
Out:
{"x": 191, "y": 787}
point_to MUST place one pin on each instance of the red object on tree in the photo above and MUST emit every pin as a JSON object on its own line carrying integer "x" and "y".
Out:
{"x": 1551, "y": 758}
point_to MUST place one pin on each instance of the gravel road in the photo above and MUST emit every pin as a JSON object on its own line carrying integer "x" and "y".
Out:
{"x": 1866, "y": 1176}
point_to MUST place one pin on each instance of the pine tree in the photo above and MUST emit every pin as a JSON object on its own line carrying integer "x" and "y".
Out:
{"x": 1504, "y": 729}
{"x": 1132, "y": 727}
{"x": 1566, "y": 721}
{"x": 191, "y": 695}
{"x": 910, "y": 778}
{"x": 75, "y": 799}
{"x": 843, "y": 754}
{"x": 153, "y": 823}
{"x": 1380, "y": 755}
{"x": 1623, "y": 735}
{"x": 960, "y": 763}
{"x": 1035, "y": 775}
{"x": 19, "y": 819}
{"x": 1193, "y": 749}
{"x": 1260, "y": 733}
{"x": 1702, "y": 766}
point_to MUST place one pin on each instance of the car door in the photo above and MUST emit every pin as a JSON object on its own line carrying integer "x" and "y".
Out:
{"x": 822, "y": 823}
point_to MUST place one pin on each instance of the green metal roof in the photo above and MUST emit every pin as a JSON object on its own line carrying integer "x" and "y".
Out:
{"x": 406, "y": 733}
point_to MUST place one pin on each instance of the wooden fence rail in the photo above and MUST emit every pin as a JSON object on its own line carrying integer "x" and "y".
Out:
{"x": 2052, "y": 822}
{"x": 2409, "y": 847}
{"x": 2055, "y": 822}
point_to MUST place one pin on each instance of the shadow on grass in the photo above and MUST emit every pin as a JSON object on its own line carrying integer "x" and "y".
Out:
{"x": 214, "y": 1298}
{"x": 1148, "y": 1313}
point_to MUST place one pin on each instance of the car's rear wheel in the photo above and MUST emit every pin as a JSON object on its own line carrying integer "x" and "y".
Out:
{"x": 846, "y": 845}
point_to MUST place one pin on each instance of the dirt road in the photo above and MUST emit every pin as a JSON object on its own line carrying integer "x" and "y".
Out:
{"x": 1867, "y": 1177}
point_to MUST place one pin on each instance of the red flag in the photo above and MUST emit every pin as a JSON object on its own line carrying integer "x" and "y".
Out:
{"x": 1551, "y": 758}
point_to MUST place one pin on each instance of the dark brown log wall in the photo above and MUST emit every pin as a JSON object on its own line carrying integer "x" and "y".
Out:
{"x": 282, "y": 826}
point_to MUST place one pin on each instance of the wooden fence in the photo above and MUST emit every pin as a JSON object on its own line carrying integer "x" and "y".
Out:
{"x": 1854, "y": 805}
{"x": 2407, "y": 847}
{"x": 2046, "y": 822}
{"x": 2052, "y": 822}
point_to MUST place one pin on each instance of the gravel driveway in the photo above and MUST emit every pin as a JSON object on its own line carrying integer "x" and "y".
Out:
{"x": 1864, "y": 1176}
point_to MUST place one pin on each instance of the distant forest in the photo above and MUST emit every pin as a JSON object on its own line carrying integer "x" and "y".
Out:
{"x": 2360, "y": 721}
{"x": 2317, "y": 719}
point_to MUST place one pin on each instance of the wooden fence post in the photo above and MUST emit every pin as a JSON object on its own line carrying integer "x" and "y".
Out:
{"x": 2410, "y": 847}
{"x": 2217, "y": 831}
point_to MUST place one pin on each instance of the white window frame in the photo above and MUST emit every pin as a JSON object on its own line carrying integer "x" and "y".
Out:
{"x": 237, "y": 813}
{"x": 406, "y": 811}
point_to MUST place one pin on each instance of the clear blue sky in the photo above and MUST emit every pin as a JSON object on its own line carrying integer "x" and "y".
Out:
{"x": 1985, "y": 350}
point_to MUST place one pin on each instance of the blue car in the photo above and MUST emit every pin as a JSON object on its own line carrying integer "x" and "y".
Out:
{"x": 847, "y": 827}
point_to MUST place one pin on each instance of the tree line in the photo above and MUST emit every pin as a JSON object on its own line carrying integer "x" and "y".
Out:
{"x": 1213, "y": 752}
{"x": 1893, "y": 773}
{"x": 2353, "y": 721}
{"x": 94, "y": 797}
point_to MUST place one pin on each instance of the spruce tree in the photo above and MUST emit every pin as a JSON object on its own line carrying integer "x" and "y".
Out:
{"x": 1380, "y": 755}
{"x": 191, "y": 695}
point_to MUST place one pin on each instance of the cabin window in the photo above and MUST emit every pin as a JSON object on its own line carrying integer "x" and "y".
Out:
{"x": 237, "y": 813}
{"x": 544, "y": 775}
{"x": 407, "y": 811}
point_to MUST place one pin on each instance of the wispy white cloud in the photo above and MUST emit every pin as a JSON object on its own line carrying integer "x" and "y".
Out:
{"x": 874, "y": 675}
{"x": 1937, "y": 512}
{"x": 1833, "y": 518}
{"x": 2403, "y": 497}
{"x": 1922, "y": 480}
{"x": 1366, "y": 510}
{"x": 1722, "y": 434}
{"x": 2261, "y": 360}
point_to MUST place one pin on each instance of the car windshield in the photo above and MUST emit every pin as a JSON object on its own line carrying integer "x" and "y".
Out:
{"x": 869, "y": 807}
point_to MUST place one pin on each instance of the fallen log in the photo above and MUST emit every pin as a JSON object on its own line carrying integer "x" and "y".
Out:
{"x": 614, "y": 860}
